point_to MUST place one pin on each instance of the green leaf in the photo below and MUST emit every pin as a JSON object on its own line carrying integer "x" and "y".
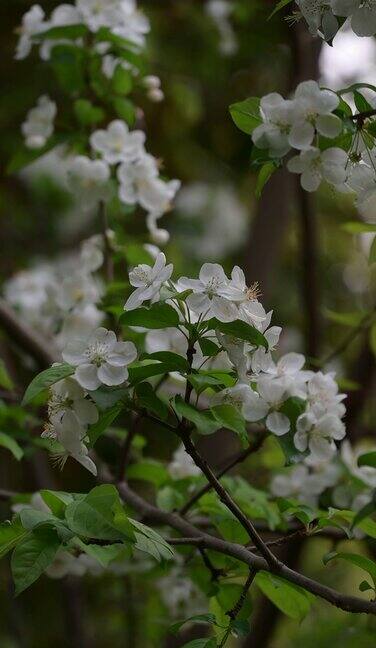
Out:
{"x": 278, "y": 7}
{"x": 346, "y": 319}
{"x": 86, "y": 113}
{"x": 140, "y": 372}
{"x": 202, "y": 419}
{"x": 208, "y": 348}
{"x": 104, "y": 554}
{"x": 10, "y": 444}
{"x": 148, "y": 470}
{"x": 105, "y": 420}
{"x": 11, "y": 533}
{"x": 361, "y": 102}
{"x": 45, "y": 379}
{"x": 198, "y": 618}
{"x": 70, "y": 32}
{"x": 367, "y": 459}
{"x": 264, "y": 175}
{"x": 125, "y": 109}
{"x": 201, "y": 643}
{"x": 290, "y": 599}
{"x": 356, "y": 227}
{"x": 68, "y": 63}
{"x": 241, "y": 330}
{"x": 149, "y": 541}
{"x": 5, "y": 380}
{"x": 178, "y": 362}
{"x": 364, "y": 512}
{"x": 92, "y": 516}
{"x": 57, "y": 501}
{"x": 148, "y": 399}
{"x": 365, "y": 586}
{"x": 246, "y": 114}
{"x": 230, "y": 418}
{"x": 156, "y": 317}
{"x": 122, "y": 81}
{"x": 355, "y": 559}
{"x": 106, "y": 397}
{"x": 32, "y": 556}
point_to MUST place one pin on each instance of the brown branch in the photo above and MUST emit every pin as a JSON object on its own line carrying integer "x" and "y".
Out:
{"x": 237, "y": 459}
{"x": 30, "y": 341}
{"x": 207, "y": 541}
{"x": 227, "y": 500}
{"x": 126, "y": 448}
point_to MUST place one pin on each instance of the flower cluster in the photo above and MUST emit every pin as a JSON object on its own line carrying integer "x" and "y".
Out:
{"x": 117, "y": 31}
{"x": 293, "y": 123}
{"x": 61, "y": 299}
{"x": 323, "y": 16}
{"x": 120, "y": 16}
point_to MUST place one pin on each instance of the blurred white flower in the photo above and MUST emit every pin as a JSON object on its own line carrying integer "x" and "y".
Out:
{"x": 39, "y": 124}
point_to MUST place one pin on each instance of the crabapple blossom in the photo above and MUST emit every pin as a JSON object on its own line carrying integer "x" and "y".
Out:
{"x": 140, "y": 183}
{"x": 206, "y": 298}
{"x": 70, "y": 433}
{"x": 319, "y": 17}
{"x": 148, "y": 281}
{"x": 266, "y": 403}
{"x": 246, "y": 298}
{"x": 68, "y": 395}
{"x": 312, "y": 110}
{"x": 277, "y": 116}
{"x": 32, "y": 23}
{"x": 323, "y": 396}
{"x": 362, "y": 15}
{"x": 39, "y": 124}
{"x": 100, "y": 360}
{"x": 153, "y": 85}
{"x": 288, "y": 370}
{"x": 240, "y": 396}
{"x": 220, "y": 11}
{"x": 315, "y": 165}
{"x": 117, "y": 143}
{"x": 318, "y": 434}
{"x": 87, "y": 179}
{"x": 64, "y": 14}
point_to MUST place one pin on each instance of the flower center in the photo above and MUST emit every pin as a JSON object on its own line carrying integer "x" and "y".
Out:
{"x": 253, "y": 292}
{"x": 212, "y": 286}
{"x": 97, "y": 353}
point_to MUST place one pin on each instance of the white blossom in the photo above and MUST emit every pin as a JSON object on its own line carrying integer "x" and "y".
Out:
{"x": 87, "y": 179}
{"x": 70, "y": 433}
{"x": 148, "y": 281}
{"x": 246, "y": 298}
{"x": 100, "y": 360}
{"x": 68, "y": 395}
{"x": 318, "y": 434}
{"x": 277, "y": 116}
{"x": 117, "y": 143}
{"x": 312, "y": 110}
{"x": 140, "y": 183}
{"x": 323, "y": 396}
{"x": 39, "y": 124}
{"x": 32, "y": 23}
{"x": 362, "y": 14}
{"x": 266, "y": 403}
{"x": 319, "y": 17}
{"x": 315, "y": 165}
{"x": 206, "y": 298}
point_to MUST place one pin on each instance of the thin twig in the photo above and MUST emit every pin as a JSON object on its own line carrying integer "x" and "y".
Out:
{"x": 126, "y": 448}
{"x": 363, "y": 325}
{"x": 29, "y": 340}
{"x": 237, "y": 459}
